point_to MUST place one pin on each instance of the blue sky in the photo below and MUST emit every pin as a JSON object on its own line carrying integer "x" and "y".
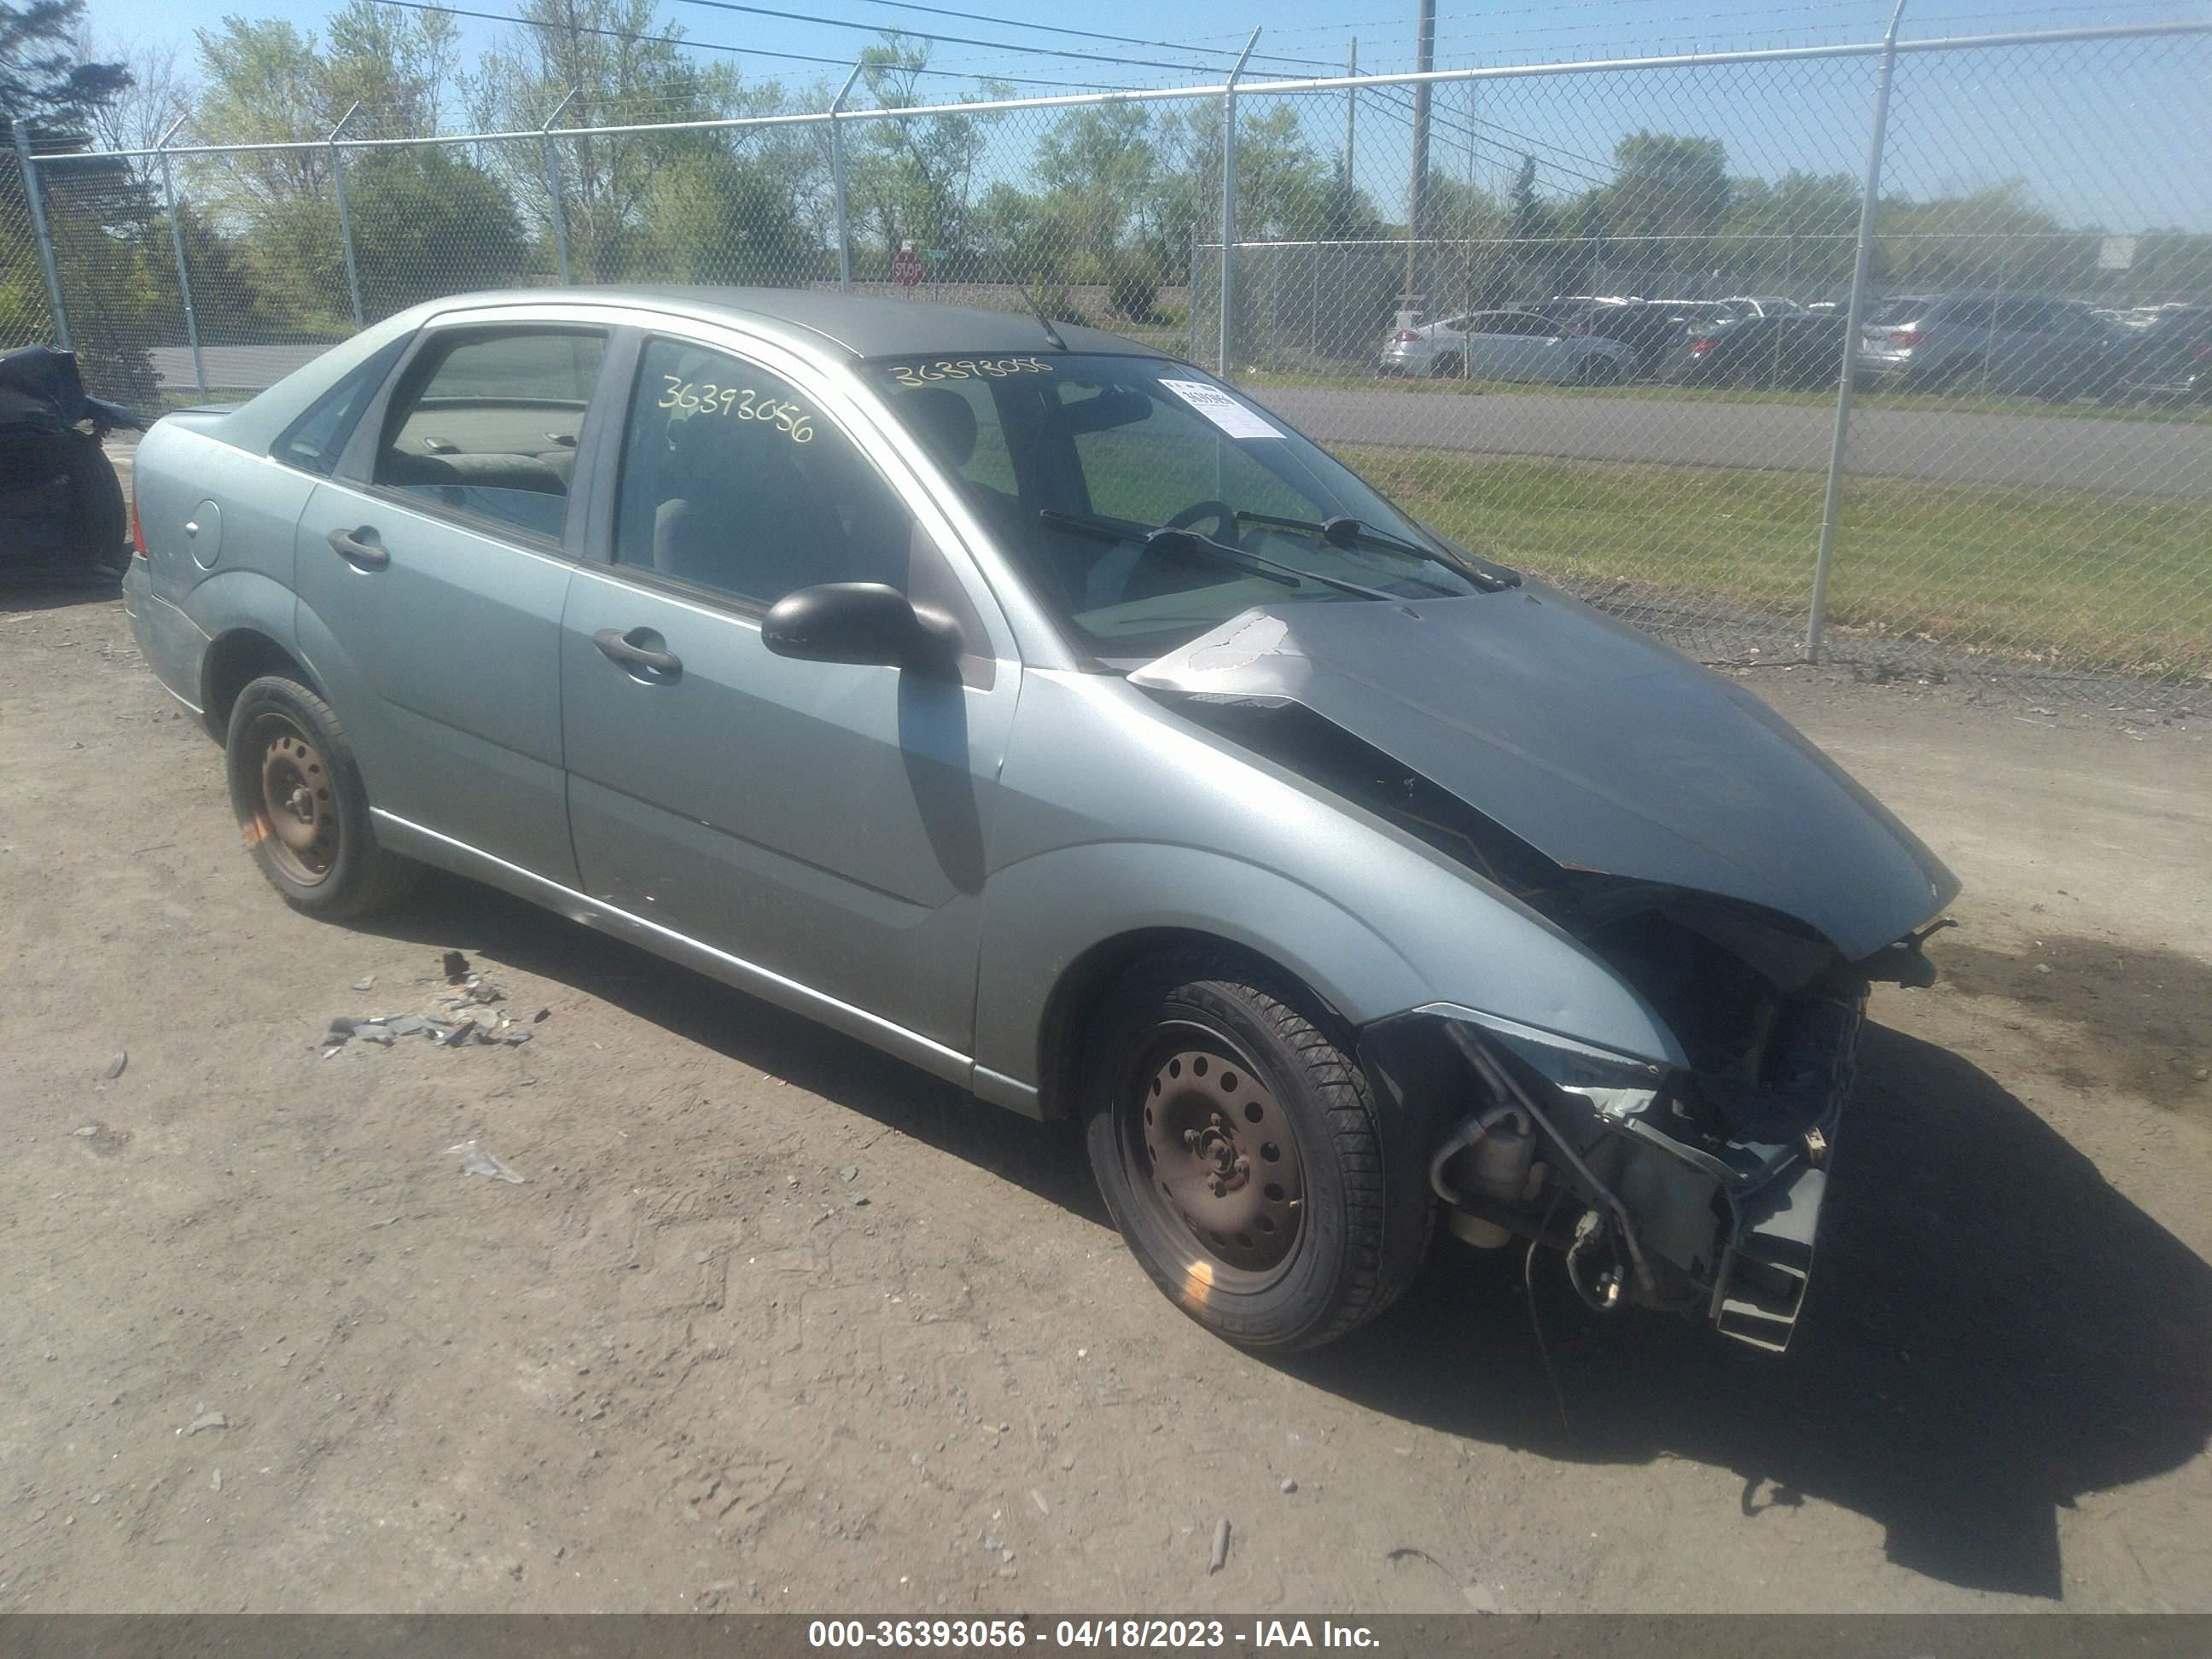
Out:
{"x": 2113, "y": 134}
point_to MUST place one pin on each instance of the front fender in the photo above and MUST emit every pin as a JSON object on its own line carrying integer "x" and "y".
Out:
{"x": 1437, "y": 940}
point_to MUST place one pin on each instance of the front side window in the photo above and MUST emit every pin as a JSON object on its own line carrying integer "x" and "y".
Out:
{"x": 735, "y": 480}
{"x": 1075, "y": 463}
{"x": 487, "y": 423}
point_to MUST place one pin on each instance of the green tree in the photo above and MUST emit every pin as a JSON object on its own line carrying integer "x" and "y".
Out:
{"x": 1992, "y": 238}
{"x": 914, "y": 180}
{"x": 649, "y": 204}
{"x": 426, "y": 223}
{"x": 1795, "y": 235}
{"x": 97, "y": 214}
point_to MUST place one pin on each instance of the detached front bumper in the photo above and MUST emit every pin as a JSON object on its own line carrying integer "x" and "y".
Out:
{"x": 1664, "y": 1190}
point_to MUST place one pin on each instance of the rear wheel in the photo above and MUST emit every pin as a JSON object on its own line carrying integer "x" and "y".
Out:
{"x": 1597, "y": 369}
{"x": 301, "y": 807}
{"x": 1234, "y": 1137}
{"x": 1446, "y": 367}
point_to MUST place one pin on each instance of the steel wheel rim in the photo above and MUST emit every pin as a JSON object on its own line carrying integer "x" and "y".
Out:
{"x": 1213, "y": 1156}
{"x": 295, "y": 811}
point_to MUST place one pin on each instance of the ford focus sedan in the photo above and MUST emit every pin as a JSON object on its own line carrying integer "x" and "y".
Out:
{"x": 1039, "y": 709}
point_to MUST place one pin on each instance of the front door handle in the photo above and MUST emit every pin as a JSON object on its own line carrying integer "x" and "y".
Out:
{"x": 359, "y": 547}
{"x": 639, "y": 647}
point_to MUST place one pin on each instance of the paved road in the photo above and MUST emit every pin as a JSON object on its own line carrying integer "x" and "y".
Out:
{"x": 2132, "y": 456}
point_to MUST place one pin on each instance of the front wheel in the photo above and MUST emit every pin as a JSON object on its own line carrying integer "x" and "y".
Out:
{"x": 301, "y": 805}
{"x": 1234, "y": 1138}
{"x": 1597, "y": 369}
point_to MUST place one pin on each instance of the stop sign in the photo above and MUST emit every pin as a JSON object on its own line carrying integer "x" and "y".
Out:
{"x": 906, "y": 267}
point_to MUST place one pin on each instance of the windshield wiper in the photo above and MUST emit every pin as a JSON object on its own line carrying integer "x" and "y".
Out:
{"x": 1345, "y": 530}
{"x": 1213, "y": 552}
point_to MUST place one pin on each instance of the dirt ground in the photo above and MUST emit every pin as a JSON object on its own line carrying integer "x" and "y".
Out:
{"x": 264, "y": 1345}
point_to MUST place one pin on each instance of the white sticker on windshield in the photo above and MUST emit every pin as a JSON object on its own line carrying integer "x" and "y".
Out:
{"x": 1224, "y": 410}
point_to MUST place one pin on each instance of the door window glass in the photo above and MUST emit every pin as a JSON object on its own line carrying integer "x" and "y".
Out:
{"x": 318, "y": 438}
{"x": 734, "y": 480}
{"x": 488, "y": 425}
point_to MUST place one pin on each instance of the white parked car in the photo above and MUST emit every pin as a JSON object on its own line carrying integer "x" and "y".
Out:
{"x": 1508, "y": 345}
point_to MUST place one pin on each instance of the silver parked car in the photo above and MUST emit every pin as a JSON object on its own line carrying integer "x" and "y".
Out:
{"x": 1041, "y": 710}
{"x": 1508, "y": 345}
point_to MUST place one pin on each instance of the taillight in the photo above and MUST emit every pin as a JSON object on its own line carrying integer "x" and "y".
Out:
{"x": 137, "y": 533}
{"x": 2202, "y": 352}
{"x": 1407, "y": 336}
{"x": 1700, "y": 348}
{"x": 1905, "y": 337}
{"x": 1578, "y": 329}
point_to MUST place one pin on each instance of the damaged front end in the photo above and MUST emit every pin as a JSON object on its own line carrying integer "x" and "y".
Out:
{"x": 1659, "y": 1189}
{"x": 1699, "y": 852}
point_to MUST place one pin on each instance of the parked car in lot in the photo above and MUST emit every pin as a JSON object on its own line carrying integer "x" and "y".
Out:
{"x": 62, "y": 512}
{"x": 1041, "y": 710}
{"x": 1508, "y": 345}
{"x": 2169, "y": 358}
{"x": 1974, "y": 342}
{"x": 1763, "y": 305}
{"x": 1786, "y": 351}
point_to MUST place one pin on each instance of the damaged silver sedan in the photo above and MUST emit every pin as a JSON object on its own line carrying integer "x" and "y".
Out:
{"x": 1041, "y": 710}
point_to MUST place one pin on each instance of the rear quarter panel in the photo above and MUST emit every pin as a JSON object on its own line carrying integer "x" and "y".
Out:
{"x": 237, "y": 572}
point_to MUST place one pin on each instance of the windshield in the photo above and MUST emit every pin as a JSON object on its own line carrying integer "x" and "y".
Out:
{"x": 1074, "y": 461}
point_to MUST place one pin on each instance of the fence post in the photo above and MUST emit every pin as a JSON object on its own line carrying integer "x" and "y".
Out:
{"x": 177, "y": 243}
{"x": 345, "y": 218}
{"x": 1846, "y": 382}
{"x": 555, "y": 210}
{"x": 31, "y": 189}
{"x": 1229, "y": 204}
{"x": 838, "y": 179}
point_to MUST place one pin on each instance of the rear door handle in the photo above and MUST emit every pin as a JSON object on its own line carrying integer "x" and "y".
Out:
{"x": 359, "y": 547}
{"x": 639, "y": 647}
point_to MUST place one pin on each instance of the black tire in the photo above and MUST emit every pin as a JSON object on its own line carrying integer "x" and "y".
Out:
{"x": 100, "y": 521}
{"x": 1308, "y": 1260}
{"x": 1597, "y": 369}
{"x": 316, "y": 845}
{"x": 1445, "y": 367}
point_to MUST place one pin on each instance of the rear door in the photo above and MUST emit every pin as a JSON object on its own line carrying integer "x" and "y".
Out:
{"x": 825, "y": 824}
{"x": 431, "y": 572}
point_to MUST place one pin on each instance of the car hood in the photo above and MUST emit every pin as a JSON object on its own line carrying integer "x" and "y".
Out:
{"x": 1598, "y": 746}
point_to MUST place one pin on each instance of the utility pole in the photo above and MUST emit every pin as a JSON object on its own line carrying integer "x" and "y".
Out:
{"x": 1417, "y": 193}
{"x": 1351, "y": 109}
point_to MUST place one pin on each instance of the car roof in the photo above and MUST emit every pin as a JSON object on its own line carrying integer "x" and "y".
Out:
{"x": 865, "y": 327}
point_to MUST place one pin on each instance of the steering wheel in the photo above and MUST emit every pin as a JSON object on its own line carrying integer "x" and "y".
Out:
{"x": 1223, "y": 517}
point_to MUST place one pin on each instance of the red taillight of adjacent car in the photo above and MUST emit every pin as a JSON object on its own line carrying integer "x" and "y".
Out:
{"x": 2201, "y": 352}
{"x": 1905, "y": 337}
{"x": 1699, "y": 347}
{"x": 1579, "y": 330}
{"x": 1407, "y": 336}
{"x": 138, "y": 533}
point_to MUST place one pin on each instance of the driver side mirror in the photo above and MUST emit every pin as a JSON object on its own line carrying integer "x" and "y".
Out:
{"x": 862, "y": 623}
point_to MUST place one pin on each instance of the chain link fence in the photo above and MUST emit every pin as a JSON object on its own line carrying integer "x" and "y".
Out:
{"x": 1898, "y": 354}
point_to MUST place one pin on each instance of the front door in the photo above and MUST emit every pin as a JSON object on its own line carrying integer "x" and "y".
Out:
{"x": 430, "y": 576}
{"x": 826, "y": 823}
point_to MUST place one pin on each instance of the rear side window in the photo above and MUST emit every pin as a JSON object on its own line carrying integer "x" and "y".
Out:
{"x": 487, "y": 424}
{"x": 315, "y": 440}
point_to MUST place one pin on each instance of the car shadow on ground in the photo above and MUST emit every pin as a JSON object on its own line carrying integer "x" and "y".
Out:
{"x": 1045, "y": 1158}
{"x": 1993, "y": 1330}
{"x": 35, "y": 591}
